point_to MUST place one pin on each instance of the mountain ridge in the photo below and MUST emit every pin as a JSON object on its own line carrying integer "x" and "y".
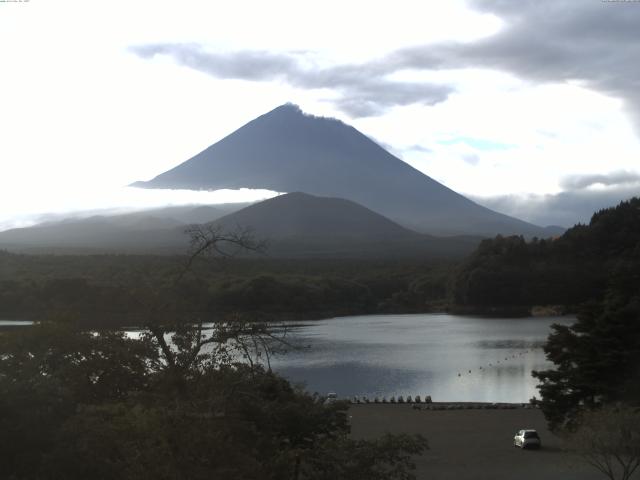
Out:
{"x": 298, "y": 225}
{"x": 294, "y": 225}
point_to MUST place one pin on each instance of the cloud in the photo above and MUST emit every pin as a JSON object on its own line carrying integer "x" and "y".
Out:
{"x": 477, "y": 143}
{"x": 471, "y": 158}
{"x": 592, "y": 42}
{"x": 247, "y": 65}
{"x": 369, "y": 97}
{"x": 419, "y": 148}
{"x": 621, "y": 178}
{"x": 387, "y": 146}
{"x": 363, "y": 89}
{"x": 564, "y": 209}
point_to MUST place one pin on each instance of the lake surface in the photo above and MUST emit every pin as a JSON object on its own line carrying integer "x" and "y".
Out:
{"x": 450, "y": 357}
{"x": 15, "y": 323}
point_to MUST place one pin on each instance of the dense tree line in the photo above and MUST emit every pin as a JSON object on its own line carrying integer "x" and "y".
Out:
{"x": 115, "y": 290}
{"x": 568, "y": 270}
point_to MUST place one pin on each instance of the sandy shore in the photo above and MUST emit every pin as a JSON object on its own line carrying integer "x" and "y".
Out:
{"x": 474, "y": 444}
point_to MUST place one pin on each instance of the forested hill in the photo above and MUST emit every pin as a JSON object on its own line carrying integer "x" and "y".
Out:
{"x": 568, "y": 270}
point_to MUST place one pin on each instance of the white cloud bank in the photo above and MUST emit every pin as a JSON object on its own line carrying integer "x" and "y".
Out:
{"x": 28, "y": 206}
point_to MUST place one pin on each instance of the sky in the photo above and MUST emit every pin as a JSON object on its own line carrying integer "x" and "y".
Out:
{"x": 531, "y": 108}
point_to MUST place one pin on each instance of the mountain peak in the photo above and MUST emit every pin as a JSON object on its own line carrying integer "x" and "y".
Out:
{"x": 287, "y": 112}
{"x": 288, "y": 107}
{"x": 292, "y": 112}
{"x": 287, "y": 150}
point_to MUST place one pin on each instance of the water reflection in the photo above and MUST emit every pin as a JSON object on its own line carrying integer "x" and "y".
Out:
{"x": 15, "y": 323}
{"x": 449, "y": 357}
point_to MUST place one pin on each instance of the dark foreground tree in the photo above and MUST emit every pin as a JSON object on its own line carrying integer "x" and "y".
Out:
{"x": 597, "y": 359}
{"x": 77, "y": 405}
{"x": 179, "y": 400}
{"x": 609, "y": 440}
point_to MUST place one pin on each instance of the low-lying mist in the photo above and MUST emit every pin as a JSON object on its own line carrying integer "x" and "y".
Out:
{"x": 26, "y": 208}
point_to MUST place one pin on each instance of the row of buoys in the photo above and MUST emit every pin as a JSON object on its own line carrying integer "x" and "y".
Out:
{"x": 416, "y": 404}
{"x": 474, "y": 406}
{"x": 393, "y": 399}
{"x": 505, "y": 359}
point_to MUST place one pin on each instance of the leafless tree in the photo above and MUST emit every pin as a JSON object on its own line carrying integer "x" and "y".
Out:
{"x": 185, "y": 343}
{"x": 609, "y": 440}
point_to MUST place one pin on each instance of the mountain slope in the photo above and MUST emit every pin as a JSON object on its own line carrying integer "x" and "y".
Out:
{"x": 287, "y": 151}
{"x": 97, "y": 234}
{"x": 297, "y": 213}
{"x": 154, "y": 230}
{"x": 294, "y": 225}
{"x": 301, "y": 225}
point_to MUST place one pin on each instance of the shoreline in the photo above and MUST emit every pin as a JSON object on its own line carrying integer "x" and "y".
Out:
{"x": 118, "y": 320}
{"x": 453, "y": 405}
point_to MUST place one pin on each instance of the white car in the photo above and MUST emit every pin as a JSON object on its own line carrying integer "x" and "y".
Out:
{"x": 527, "y": 439}
{"x": 332, "y": 397}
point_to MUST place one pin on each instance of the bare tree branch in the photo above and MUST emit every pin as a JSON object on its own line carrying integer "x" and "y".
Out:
{"x": 609, "y": 440}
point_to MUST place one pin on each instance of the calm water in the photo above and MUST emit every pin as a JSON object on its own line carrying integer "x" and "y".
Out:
{"x": 15, "y": 323}
{"x": 451, "y": 358}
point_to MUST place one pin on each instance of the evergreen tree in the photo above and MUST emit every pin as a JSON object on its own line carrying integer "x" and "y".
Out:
{"x": 597, "y": 360}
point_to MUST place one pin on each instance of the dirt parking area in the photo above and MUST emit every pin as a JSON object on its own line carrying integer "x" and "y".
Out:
{"x": 474, "y": 443}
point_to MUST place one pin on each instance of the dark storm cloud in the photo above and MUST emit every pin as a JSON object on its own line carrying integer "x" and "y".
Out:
{"x": 363, "y": 89}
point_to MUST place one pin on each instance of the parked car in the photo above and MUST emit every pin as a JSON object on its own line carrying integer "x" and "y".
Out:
{"x": 331, "y": 397}
{"x": 527, "y": 439}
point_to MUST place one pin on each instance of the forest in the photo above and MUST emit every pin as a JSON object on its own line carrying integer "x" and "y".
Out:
{"x": 112, "y": 290}
{"x": 569, "y": 270}
{"x": 505, "y": 275}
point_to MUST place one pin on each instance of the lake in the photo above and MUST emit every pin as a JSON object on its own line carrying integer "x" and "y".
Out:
{"x": 15, "y": 323}
{"x": 450, "y": 357}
